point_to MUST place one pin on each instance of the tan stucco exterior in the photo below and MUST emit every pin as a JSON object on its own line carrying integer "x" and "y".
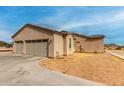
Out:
{"x": 95, "y": 45}
{"x": 67, "y": 49}
{"x": 34, "y": 34}
{"x": 58, "y": 43}
{"x": 57, "y": 46}
{"x": 83, "y": 44}
{"x": 80, "y": 43}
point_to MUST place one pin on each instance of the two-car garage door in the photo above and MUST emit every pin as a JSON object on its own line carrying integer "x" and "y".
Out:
{"x": 36, "y": 47}
{"x": 33, "y": 47}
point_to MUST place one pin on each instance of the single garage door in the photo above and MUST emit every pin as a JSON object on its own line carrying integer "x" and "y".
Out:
{"x": 19, "y": 46}
{"x": 36, "y": 47}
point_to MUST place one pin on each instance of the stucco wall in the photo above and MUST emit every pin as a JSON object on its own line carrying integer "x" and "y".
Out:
{"x": 67, "y": 50}
{"x": 58, "y": 45}
{"x": 95, "y": 45}
{"x": 14, "y": 47}
{"x": 80, "y": 43}
{"x": 34, "y": 34}
{"x": 92, "y": 45}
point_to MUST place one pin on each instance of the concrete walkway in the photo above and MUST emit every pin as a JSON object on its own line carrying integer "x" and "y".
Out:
{"x": 25, "y": 70}
{"x": 115, "y": 54}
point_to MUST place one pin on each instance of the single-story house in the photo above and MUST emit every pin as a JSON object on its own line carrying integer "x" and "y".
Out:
{"x": 40, "y": 41}
{"x": 112, "y": 46}
{"x": 121, "y": 47}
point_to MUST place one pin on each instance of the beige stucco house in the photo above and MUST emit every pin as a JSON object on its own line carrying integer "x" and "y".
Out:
{"x": 39, "y": 41}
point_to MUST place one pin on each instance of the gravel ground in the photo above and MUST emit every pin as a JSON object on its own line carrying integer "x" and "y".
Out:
{"x": 103, "y": 68}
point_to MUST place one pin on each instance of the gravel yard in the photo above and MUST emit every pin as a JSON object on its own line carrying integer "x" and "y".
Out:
{"x": 103, "y": 68}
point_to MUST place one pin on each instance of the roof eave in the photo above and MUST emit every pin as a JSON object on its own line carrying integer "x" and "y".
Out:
{"x": 54, "y": 31}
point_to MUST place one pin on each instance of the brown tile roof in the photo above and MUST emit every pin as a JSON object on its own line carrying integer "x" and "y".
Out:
{"x": 80, "y": 35}
{"x": 96, "y": 36}
{"x": 57, "y": 32}
{"x": 35, "y": 26}
{"x": 65, "y": 32}
{"x": 89, "y": 37}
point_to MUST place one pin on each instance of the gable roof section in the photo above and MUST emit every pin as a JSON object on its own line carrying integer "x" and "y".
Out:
{"x": 57, "y": 32}
{"x": 96, "y": 36}
{"x": 80, "y": 35}
{"x": 89, "y": 37}
{"x": 37, "y": 27}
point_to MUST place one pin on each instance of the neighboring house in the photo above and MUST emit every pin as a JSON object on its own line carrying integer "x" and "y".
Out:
{"x": 121, "y": 47}
{"x": 111, "y": 46}
{"x": 4, "y": 46}
{"x": 35, "y": 40}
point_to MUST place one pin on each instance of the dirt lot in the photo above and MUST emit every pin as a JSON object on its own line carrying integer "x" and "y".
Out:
{"x": 3, "y": 49}
{"x": 103, "y": 68}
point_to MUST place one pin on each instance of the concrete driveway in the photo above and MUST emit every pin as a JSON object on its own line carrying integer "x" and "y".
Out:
{"x": 16, "y": 69}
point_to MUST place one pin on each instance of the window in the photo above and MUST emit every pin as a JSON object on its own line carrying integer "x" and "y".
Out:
{"x": 70, "y": 43}
{"x": 74, "y": 43}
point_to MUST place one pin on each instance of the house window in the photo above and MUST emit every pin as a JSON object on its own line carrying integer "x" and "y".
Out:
{"x": 70, "y": 43}
{"x": 74, "y": 43}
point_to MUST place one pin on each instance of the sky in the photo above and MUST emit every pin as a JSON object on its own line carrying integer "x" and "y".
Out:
{"x": 86, "y": 20}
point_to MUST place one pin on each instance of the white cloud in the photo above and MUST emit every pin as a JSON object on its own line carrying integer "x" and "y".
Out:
{"x": 5, "y": 32}
{"x": 5, "y": 35}
{"x": 60, "y": 17}
{"x": 75, "y": 25}
{"x": 118, "y": 16}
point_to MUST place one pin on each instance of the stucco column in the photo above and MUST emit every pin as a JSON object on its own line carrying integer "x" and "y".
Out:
{"x": 24, "y": 47}
{"x": 14, "y": 47}
{"x": 64, "y": 45}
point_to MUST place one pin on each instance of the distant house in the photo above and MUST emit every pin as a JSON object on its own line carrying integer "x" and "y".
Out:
{"x": 111, "y": 46}
{"x": 121, "y": 47}
{"x": 36, "y": 40}
{"x": 5, "y": 46}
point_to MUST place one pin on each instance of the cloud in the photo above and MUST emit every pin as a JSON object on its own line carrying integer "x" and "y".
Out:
{"x": 5, "y": 32}
{"x": 75, "y": 25}
{"x": 118, "y": 16}
{"x": 104, "y": 23}
{"x": 89, "y": 20}
{"x": 97, "y": 19}
{"x": 5, "y": 35}
{"x": 61, "y": 16}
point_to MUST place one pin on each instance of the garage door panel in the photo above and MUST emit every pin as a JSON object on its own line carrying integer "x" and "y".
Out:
{"x": 44, "y": 49}
{"x": 28, "y": 48}
{"x": 37, "y": 48}
{"x": 19, "y": 47}
{"x": 41, "y": 49}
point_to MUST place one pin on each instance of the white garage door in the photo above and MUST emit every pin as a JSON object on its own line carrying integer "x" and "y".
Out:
{"x": 37, "y": 47}
{"x": 19, "y": 47}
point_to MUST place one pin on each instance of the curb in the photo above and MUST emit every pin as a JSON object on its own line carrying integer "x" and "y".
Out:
{"x": 114, "y": 54}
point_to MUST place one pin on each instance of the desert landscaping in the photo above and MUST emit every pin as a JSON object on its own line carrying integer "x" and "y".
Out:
{"x": 103, "y": 68}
